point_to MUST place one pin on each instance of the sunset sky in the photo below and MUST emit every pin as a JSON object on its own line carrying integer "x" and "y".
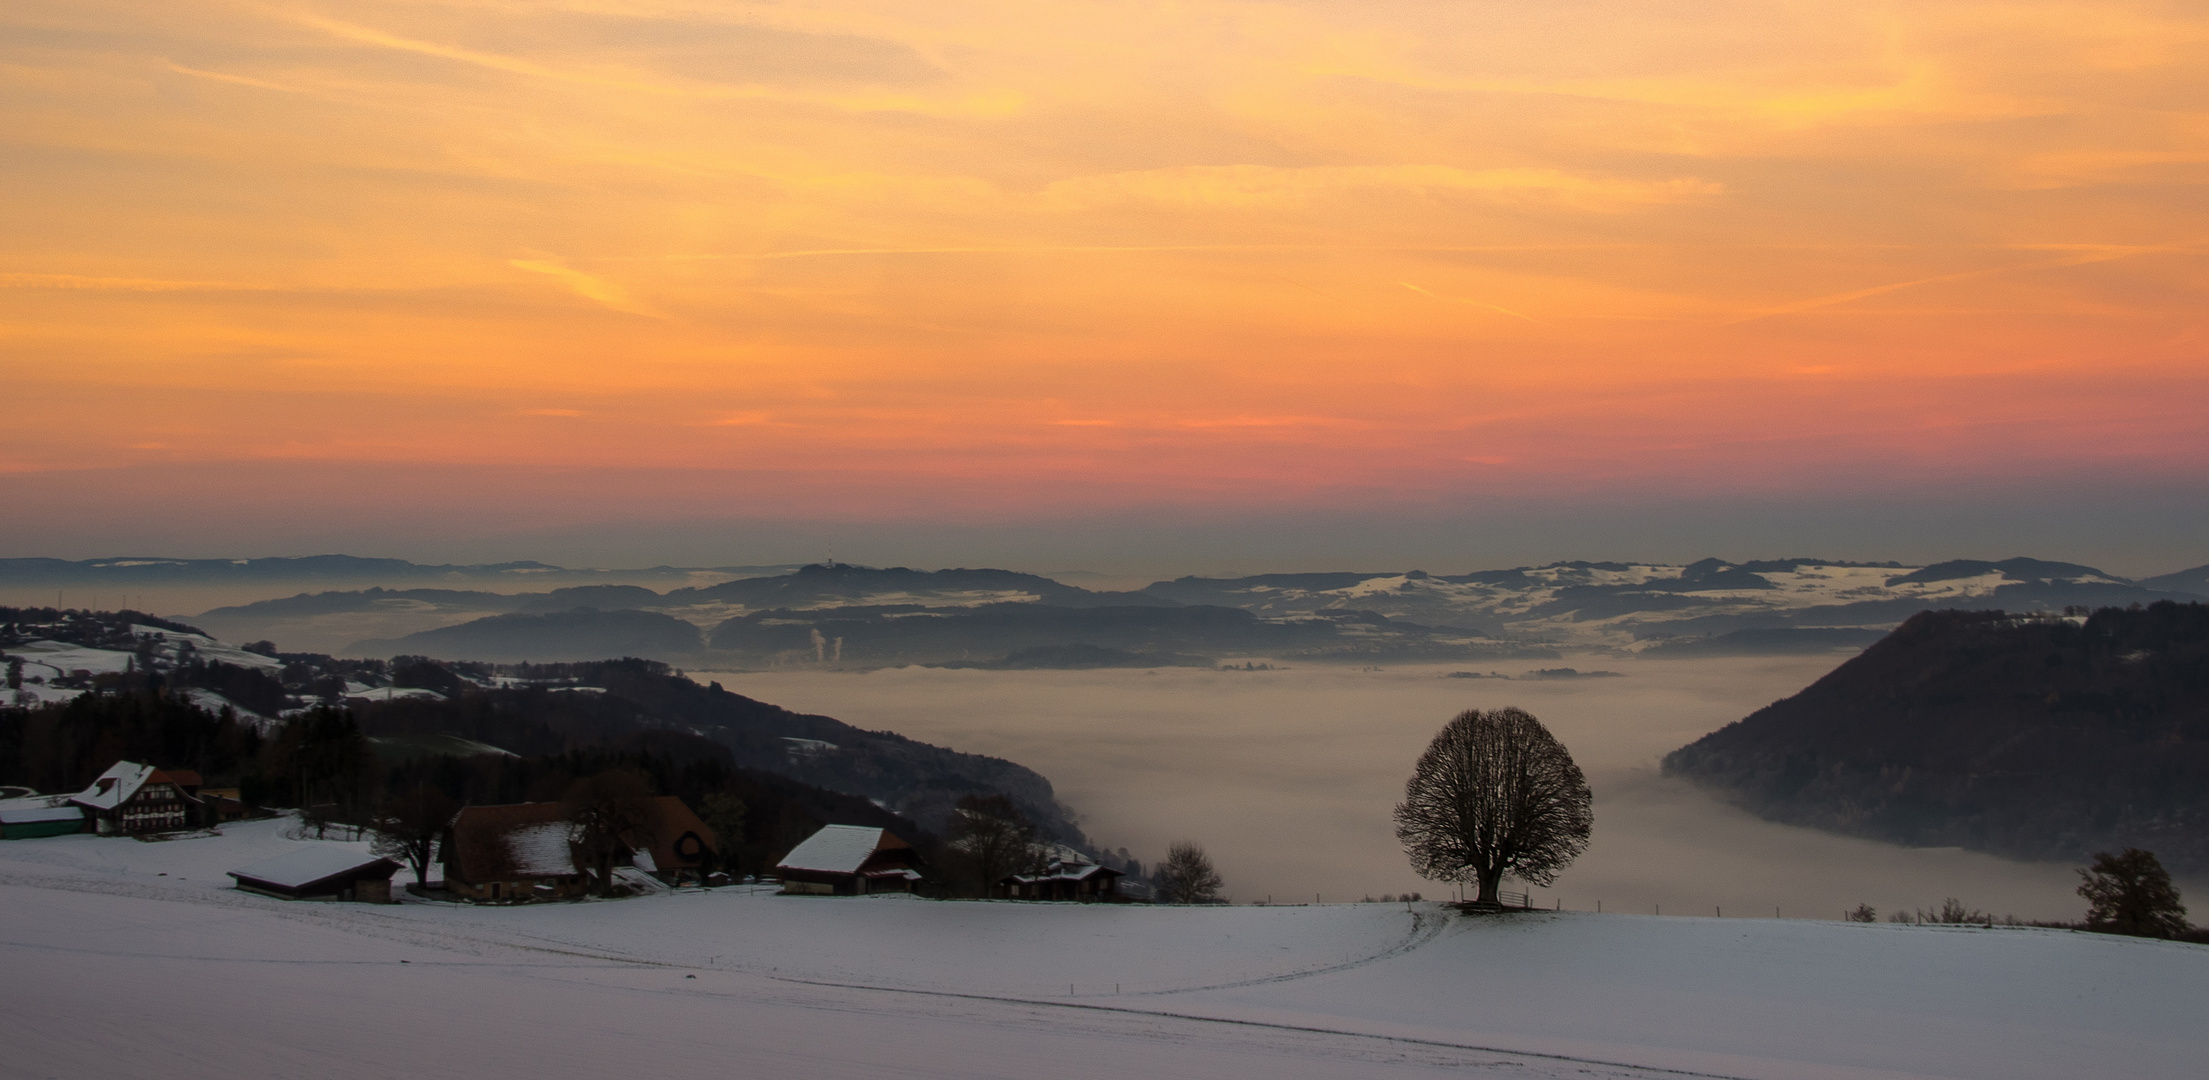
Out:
{"x": 1362, "y": 281}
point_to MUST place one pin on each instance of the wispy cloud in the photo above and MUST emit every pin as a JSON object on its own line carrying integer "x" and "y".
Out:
{"x": 588, "y": 286}
{"x": 1470, "y": 303}
{"x": 1266, "y": 186}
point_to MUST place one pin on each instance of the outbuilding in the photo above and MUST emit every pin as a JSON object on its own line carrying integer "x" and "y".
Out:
{"x": 39, "y": 815}
{"x": 850, "y": 860}
{"x": 1064, "y": 880}
{"x": 321, "y": 872}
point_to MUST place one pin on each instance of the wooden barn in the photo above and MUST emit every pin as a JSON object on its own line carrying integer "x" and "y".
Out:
{"x": 522, "y": 851}
{"x": 515, "y": 852}
{"x": 129, "y": 799}
{"x": 850, "y": 860}
{"x": 321, "y": 873}
{"x": 1063, "y": 880}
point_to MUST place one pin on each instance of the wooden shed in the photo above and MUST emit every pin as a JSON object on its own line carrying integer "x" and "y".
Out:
{"x": 321, "y": 872}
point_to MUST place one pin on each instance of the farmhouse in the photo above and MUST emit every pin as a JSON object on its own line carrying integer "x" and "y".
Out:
{"x": 321, "y": 873}
{"x": 130, "y": 798}
{"x": 850, "y": 860}
{"x": 523, "y": 851}
{"x": 514, "y": 852}
{"x": 1063, "y": 880}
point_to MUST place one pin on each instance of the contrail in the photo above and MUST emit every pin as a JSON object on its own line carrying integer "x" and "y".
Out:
{"x": 1475, "y": 303}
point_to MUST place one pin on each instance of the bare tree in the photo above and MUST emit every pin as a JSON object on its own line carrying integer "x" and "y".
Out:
{"x": 408, "y": 826}
{"x": 607, "y": 818}
{"x": 724, "y": 813}
{"x": 1494, "y": 794}
{"x": 994, "y": 838}
{"x": 1187, "y": 877}
{"x": 2131, "y": 893}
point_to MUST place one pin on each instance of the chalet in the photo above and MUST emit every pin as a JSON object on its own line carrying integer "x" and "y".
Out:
{"x": 850, "y": 860}
{"x": 1063, "y": 880}
{"x": 523, "y": 851}
{"x": 39, "y": 815}
{"x": 130, "y": 798}
{"x": 515, "y": 852}
{"x": 321, "y": 872}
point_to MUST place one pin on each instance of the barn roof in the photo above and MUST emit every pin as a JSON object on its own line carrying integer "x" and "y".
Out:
{"x": 1063, "y": 871}
{"x": 309, "y": 865}
{"x": 38, "y": 808}
{"x": 122, "y": 780}
{"x": 114, "y": 787}
{"x": 516, "y": 840}
{"x": 839, "y": 849}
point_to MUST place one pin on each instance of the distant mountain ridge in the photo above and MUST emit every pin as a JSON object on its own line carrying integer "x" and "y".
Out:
{"x": 903, "y": 615}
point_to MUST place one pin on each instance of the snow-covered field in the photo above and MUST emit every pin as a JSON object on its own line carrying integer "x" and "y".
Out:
{"x": 126, "y": 959}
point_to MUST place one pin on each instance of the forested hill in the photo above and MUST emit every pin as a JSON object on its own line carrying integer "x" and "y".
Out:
{"x": 2032, "y": 737}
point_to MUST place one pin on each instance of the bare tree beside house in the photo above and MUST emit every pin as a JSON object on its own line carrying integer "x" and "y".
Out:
{"x": 993, "y": 838}
{"x": 407, "y": 828}
{"x": 608, "y": 819}
{"x": 1187, "y": 875}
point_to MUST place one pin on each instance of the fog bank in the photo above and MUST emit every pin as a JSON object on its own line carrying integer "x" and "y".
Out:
{"x": 1288, "y": 777}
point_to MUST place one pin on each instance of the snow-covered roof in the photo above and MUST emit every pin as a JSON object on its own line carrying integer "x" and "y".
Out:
{"x": 297, "y": 869}
{"x": 42, "y": 808}
{"x": 394, "y": 693}
{"x": 1066, "y": 871}
{"x": 114, "y": 787}
{"x": 540, "y": 850}
{"x": 836, "y": 849}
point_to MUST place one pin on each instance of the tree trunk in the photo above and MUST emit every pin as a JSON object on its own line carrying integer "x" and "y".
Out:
{"x": 1490, "y": 880}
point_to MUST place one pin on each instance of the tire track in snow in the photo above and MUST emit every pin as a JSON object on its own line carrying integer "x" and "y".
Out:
{"x": 1628, "y": 1069}
{"x": 1425, "y": 927}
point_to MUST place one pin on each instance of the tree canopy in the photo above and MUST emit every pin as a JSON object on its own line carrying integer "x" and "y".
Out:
{"x": 1494, "y": 794}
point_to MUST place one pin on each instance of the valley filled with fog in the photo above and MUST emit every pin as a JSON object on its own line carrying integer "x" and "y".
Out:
{"x": 1288, "y": 777}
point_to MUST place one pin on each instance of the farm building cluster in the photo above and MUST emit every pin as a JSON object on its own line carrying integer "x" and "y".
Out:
{"x": 520, "y": 852}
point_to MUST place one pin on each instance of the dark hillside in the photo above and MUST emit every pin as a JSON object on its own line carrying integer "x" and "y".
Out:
{"x": 2030, "y": 737}
{"x": 626, "y": 699}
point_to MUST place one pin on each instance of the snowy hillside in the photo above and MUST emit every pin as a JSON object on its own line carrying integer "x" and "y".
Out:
{"x": 130, "y": 959}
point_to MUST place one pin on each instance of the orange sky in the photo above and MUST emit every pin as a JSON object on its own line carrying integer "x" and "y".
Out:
{"x": 1001, "y": 258}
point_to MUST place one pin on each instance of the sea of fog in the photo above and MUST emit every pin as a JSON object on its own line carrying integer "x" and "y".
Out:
{"x": 1287, "y": 777}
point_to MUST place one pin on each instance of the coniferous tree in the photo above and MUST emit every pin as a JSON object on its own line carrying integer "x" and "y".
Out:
{"x": 2131, "y": 893}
